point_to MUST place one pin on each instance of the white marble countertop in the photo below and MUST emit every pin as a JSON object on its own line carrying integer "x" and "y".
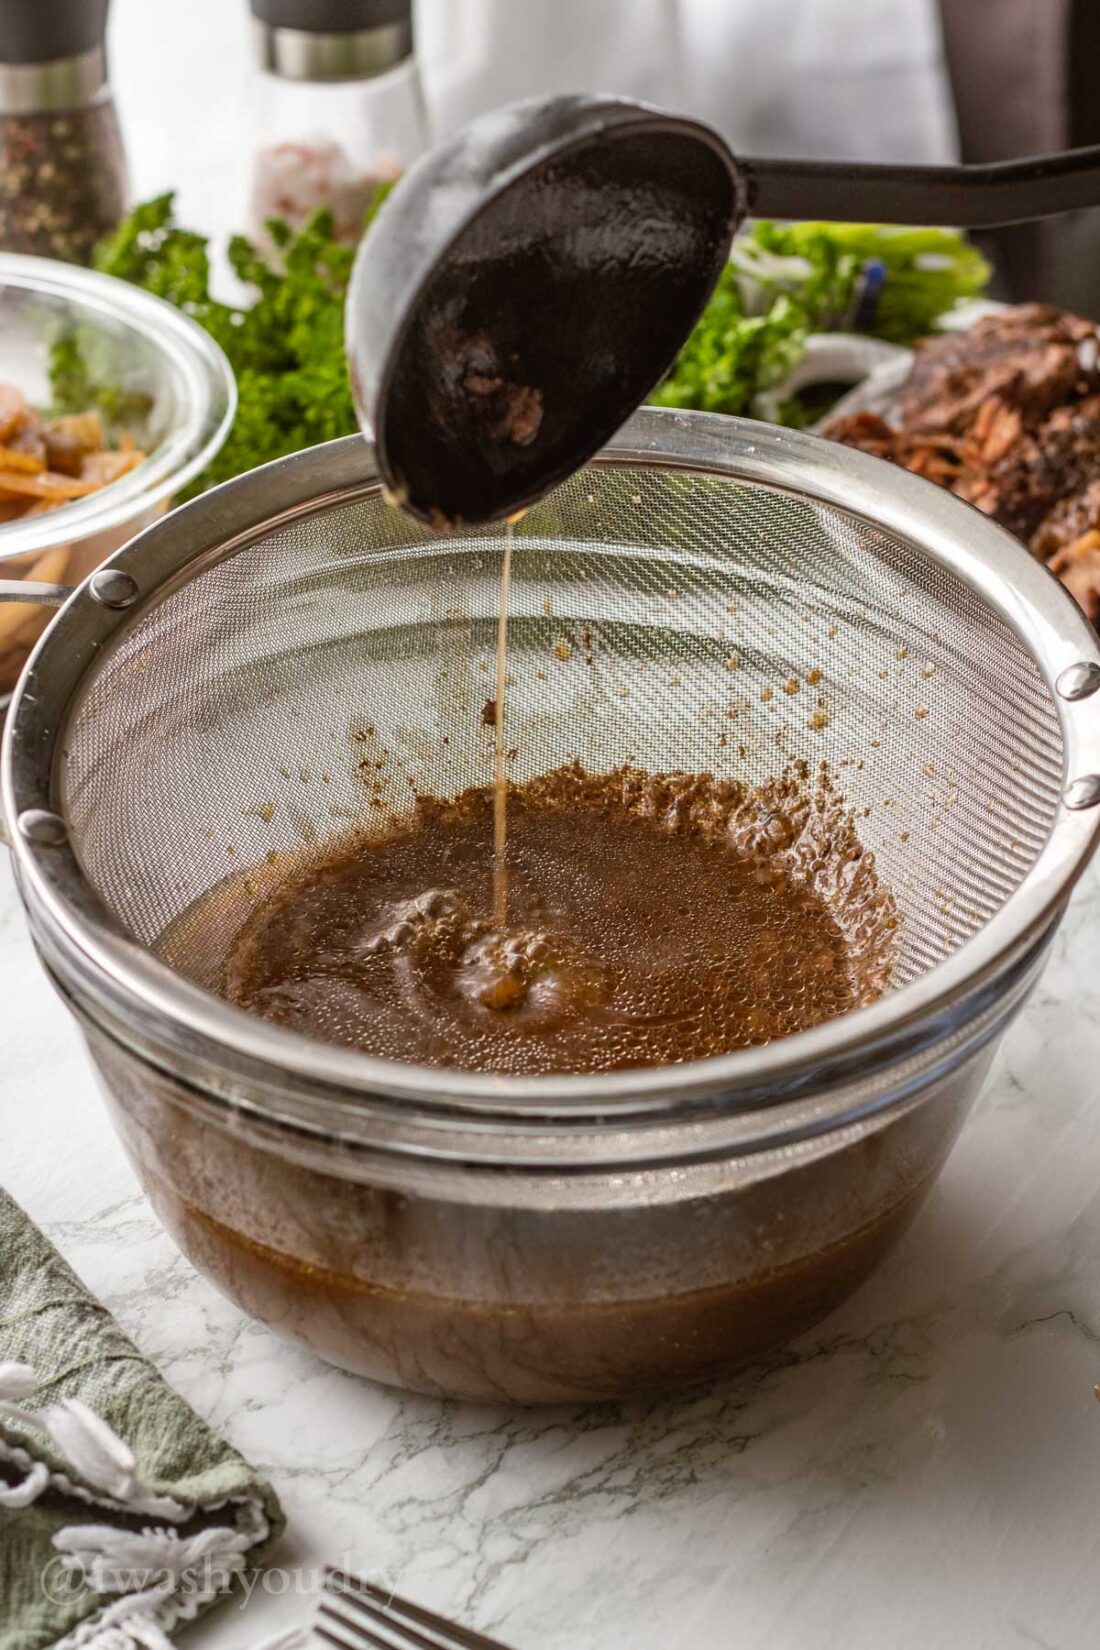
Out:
{"x": 922, "y": 1471}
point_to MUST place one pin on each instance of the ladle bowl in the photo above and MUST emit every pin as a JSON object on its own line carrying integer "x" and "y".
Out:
{"x": 523, "y": 289}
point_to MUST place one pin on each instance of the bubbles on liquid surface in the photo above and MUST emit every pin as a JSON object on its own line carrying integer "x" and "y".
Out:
{"x": 399, "y": 923}
{"x": 443, "y": 950}
{"x": 637, "y": 934}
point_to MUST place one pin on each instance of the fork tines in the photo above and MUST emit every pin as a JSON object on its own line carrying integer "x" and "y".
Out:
{"x": 354, "y": 1614}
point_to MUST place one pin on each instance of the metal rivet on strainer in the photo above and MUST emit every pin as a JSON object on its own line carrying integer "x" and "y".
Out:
{"x": 1079, "y": 681}
{"x": 42, "y": 828}
{"x": 1083, "y": 792}
{"x": 112, "y": 588}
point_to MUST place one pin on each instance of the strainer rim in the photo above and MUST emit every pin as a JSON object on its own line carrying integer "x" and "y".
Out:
{"x": 1035, "y": 606}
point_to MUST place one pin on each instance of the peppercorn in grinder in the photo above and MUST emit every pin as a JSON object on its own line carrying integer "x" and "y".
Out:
{"x": 63, "y": 179}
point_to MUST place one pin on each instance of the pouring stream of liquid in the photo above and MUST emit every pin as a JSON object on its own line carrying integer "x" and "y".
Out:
{"x": 500, "y": 766}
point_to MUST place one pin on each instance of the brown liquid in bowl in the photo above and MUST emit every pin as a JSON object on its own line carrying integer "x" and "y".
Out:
{"x": 532, "y": 1351}
{"x": 651, "y": 920}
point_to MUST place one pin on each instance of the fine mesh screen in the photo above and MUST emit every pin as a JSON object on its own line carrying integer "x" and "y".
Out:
{"x": 315, "y": 678}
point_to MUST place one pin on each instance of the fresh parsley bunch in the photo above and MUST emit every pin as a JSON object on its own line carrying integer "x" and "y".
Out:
{"x": 286, "y": 347}
{"x": 732, "y": 355}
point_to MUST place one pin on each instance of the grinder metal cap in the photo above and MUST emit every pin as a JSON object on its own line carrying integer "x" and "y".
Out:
{"x": 42, "y": 31}
{"x": 332, "y": 39}
{"x": 523, "y": 289}
{"x": 52, "y": 54}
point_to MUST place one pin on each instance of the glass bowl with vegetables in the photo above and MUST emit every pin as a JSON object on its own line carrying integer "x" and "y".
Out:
{"x": 111, "y": 401}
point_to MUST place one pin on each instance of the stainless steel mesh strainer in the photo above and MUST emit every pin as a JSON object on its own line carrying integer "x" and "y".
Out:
{"x": 298, "y": 657}
{"x": 278, "y": 660}
{"x": 326, "y": 669}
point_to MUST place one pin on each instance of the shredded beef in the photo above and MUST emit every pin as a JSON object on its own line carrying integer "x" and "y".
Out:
{"x": 1007, "y": 415}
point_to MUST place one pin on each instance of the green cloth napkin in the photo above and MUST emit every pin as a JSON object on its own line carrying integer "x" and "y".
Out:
{"x": 121, "y": 1514}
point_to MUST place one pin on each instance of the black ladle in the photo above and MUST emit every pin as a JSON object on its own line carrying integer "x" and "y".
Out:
{"x": 528, "y": 282}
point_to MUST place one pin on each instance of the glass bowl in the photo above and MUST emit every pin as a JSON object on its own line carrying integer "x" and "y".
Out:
{"x": 175, "y": 373}
{"x": 297, "y": 651}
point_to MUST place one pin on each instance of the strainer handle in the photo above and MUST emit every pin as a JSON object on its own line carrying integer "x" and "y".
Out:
{"x": 42, "y": 595}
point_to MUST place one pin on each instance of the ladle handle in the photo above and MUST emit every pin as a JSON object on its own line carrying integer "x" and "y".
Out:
{"x": 41, "y": 595}
{"x": 964, "y": 197}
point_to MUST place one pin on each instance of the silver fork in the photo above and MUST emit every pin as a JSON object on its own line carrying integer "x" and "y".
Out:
{"x": 355, "y": 1614}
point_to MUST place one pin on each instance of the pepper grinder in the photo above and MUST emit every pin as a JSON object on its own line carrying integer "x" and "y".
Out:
{"x": 338, "y": 108}
{"x": 63, "y": 181}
